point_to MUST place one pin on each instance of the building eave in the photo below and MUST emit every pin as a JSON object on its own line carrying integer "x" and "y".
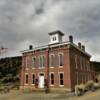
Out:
{"x": 56, "y": 45}
{"x": 74, "y": 45}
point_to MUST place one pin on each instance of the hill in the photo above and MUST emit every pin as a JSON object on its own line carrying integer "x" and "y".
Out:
{"x": 9, "y": 70}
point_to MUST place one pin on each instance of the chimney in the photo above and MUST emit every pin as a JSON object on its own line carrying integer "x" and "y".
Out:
{"x": 30, "y": 47}
{"x": 83, "y": 47}
{"x": 79, "y": 45}
{"x": 71, "y": 38}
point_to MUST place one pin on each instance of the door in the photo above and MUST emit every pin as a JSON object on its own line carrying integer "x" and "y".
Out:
{"x": 41, "y": 81}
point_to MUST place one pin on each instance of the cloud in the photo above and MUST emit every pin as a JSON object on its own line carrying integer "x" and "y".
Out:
{"x": 24, "y": 22}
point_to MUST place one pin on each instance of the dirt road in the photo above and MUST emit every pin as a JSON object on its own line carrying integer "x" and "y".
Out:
{"x": 16, "y": 95}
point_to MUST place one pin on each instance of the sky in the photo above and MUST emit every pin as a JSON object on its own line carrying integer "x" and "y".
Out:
{"x": 28, "y": 22}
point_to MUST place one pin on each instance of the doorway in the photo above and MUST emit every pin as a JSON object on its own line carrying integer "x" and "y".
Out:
{"x": 41, "y": 80}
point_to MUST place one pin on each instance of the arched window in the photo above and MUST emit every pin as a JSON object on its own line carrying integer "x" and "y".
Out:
{"x": 26, "y": 79}
{"x": 33, "y": 78}
{"x": 60, "y": 59}
{"x": 51, "y": 60}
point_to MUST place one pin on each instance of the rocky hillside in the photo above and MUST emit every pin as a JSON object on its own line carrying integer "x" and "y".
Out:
{"x": 9, "y": 70}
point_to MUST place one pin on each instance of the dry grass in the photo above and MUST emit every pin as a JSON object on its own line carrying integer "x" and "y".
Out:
{"x": 17, "y": 95}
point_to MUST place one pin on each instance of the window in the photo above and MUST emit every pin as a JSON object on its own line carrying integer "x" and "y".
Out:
{"x": 27, "y": 62}
{"x": 61, "y": 78}
{"x": 26, "y": 79}
{"x": 23, "y": 61}
{"x": 42, "y": 61}
{"x": 52, "y": 78}
{"x": 52, "y": 60}
{"x": 34, "y": 62}
{"x": 82, "y": 77}
{"x": 76, "y": 62}
{"x": 88, "y": 66}
{"x": 33, "y": 79}
{"x": 60, "y": 59}
{"x": 55, "y": 38}
{"x": 81, "y": 62}
{"x": 84, "y": 64}
{"x": 85, "y": 78}
{"x": 77, "y": 78}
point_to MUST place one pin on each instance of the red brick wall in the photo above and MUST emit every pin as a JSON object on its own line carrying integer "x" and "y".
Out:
{"x": 68, "y": 66}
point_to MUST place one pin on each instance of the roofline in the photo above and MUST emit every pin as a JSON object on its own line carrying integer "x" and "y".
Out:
{"x": 55, "y": 45}
{"x": 80, "y": 49}
{"x": 54, "y": 32}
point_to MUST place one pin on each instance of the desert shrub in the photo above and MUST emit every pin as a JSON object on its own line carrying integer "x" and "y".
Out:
{"x": 89, "y": 84}
{"x": 82, "y": 87}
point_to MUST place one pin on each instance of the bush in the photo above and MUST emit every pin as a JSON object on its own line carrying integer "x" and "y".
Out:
{"x": 82, "y": 87}
{"x": 79, "y": 89}
{"x": 89, "y": 85}
{"x": 96, "y": 85}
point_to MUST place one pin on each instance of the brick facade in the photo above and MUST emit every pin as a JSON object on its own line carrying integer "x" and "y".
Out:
{"x": 75, "y": 69}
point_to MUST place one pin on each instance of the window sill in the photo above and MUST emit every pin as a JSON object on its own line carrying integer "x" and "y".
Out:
{"x": 60, "y": 66}
{"x": 32, "y": 84}
{"x": 61, "y": 85}
{"x": 51, "y": 67}
{"x": 25, "y": 84}
{"x": 51, "y": 85}
{"x": 41, "y": 67}
{"x": 33, "y": 68}
{"x": 26, "y": 68}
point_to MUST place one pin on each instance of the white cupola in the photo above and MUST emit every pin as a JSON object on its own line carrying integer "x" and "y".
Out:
{"x": 56, "y": 37}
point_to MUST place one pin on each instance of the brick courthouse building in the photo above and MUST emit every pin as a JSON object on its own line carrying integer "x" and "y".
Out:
{"x": 58, "y": 65}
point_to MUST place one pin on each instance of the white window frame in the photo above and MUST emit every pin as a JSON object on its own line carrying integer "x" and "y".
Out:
{"x": 50, "y": 78}
{"x": 77, "y": 78}
{"x": 26, "y": 63}
{"x": 76, "y": 64}
{"x": 50, "y": 60}
{"x": 85, "y": 78}
{"x": 33, "y": 67}
{"x": 32, "y": 78}
{"x": 81, "y": 62}
{"x": 60, "y": 53}
{"x": 85, "y": 65}
{"x": 25, "y": 79}
{"x": 63, "y": 79}
{"x": 88, "y": 66}
{"x": 42, "y": 61}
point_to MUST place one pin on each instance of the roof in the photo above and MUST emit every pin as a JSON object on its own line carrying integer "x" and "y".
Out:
{"x": 55, "y": 45}
{"x": 55, "y": 32}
